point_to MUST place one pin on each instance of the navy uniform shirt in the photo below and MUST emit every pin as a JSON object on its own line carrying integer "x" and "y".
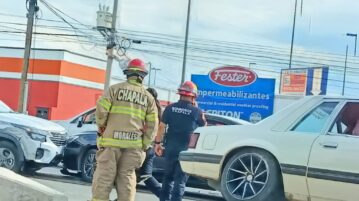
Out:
{"x": 182, "y": 119}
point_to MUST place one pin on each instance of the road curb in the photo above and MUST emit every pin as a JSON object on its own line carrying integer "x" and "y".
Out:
{"x": 14, "y": 187}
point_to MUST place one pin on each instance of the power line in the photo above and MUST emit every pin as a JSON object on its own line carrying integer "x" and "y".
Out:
{"x": 97, "y": 38}
{"x": 161, "y": 53}
{"x": 227, "y": 49}
{"x": 63, "y": 36}
{"x": 225, "y": 43}
{"x": 55, "y": 11}
{"x": 206, "y": 50}
{"x": 53, "y": 7}
{"x": 215, "y": 49}
{"x": 230, "y": 53}
{"x": 41, "y": 33}
{"x": 256, "y": 57}
{"x": 199, "y": 40}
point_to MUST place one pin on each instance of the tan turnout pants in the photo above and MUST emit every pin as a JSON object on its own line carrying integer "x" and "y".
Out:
{"x": 116, "y": 165}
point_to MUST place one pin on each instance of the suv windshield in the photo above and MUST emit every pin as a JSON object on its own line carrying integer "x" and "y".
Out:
{"x": 4, "y": 108}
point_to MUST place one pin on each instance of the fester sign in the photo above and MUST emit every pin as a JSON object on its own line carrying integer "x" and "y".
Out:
{"x": 237, "y": 92}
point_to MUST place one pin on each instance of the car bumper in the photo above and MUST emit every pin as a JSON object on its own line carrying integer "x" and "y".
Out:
{"x": 42, "y": 153}
{"x": 70, "y": 159}
{"x": 52, "y": 153}
{"x": 206, "y": 166}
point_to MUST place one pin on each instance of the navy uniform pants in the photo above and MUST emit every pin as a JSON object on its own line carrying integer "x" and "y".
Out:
{"x": 174, "y": 179}
{"x": 151, "y": 183}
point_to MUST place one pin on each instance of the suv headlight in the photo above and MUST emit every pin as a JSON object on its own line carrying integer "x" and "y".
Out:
{"x": 38, "y": 137}
{"x": 34, "y": 133}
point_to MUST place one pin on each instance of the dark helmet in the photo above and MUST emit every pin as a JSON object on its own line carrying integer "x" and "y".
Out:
{"x": 153, "y": 92}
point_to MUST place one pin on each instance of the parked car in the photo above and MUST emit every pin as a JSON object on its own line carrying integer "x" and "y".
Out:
{"x": 308, "y": 151}
{"x": 86, "y": 121}
{"x": 80, "y": 151}
{"x": 29, "y": 143}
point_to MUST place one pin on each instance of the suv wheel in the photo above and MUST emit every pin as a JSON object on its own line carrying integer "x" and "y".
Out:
{"x": 9, "y": 156}
{"x": 30, "y": 169}
{"x": 88, "y": 165}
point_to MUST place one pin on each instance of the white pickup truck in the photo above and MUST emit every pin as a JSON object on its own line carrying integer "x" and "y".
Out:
{"x": 29, "y": 143}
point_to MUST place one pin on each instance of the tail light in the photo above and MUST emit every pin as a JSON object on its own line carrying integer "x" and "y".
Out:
{"x": 193, "y": 141}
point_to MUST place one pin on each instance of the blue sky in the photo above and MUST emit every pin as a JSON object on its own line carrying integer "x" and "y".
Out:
{"x": 247, "y": 25}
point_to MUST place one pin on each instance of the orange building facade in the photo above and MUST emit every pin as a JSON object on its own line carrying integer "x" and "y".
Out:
{"x": 61, "y": 83}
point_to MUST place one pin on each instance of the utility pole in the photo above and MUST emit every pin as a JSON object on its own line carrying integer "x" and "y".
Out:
{"x": 186, "y": 43}
{"x": 22, "y": 103}
{"x": 293, "y": 33}
{"x": 111, "y": 45}
{"x": 345, "y": 70}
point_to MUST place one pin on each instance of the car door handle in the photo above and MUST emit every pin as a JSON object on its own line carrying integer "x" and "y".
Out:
{"x": 331, "y": 145}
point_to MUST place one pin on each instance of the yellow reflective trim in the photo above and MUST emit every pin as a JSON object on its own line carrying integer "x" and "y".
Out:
{"x": 98, "y": 200}
{"x": 105, "y": 103}
{"x": 134, "y": 68}
{"x": 147, "y": 142}
{"x": 151, "y": 117}
{"x": 119, "y": 143}
{"x": 129, "y": 111}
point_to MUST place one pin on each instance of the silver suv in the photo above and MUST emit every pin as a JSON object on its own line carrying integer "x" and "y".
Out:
{"x": 29, "y": 143}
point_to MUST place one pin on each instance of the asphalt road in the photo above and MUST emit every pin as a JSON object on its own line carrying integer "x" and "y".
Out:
{"x": 77, "y": 190}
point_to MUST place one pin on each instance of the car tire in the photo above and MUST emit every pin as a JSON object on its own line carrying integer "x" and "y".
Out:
{"x": 11, "y": 154}
{"x": 252, "y": 175}
{"x": 64, "y": 171}
{"x": 30, "y": 170}
{"x": 88, "y": 165}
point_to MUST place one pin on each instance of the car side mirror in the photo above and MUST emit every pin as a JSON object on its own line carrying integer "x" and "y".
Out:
{"x": 80, "y": 122}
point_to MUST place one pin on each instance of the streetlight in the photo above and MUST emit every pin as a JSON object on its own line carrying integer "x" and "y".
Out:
{"x": 250, "y": 64}
{"x": 149, "y": 74}
{"x": 345, "y": 70}
{"x": 186, "y": 42}
{"x": 356, "y": 37}
{"x": 155, "y": 69}
{"x": 293, "y": 31}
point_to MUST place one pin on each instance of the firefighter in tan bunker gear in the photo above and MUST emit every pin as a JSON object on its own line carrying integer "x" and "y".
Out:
{"x": 127, "y": 120}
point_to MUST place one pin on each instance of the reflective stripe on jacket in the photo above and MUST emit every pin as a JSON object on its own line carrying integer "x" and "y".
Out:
{"x": 125, "y": 111}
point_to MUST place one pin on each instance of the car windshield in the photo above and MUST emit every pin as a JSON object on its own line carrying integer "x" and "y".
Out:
{"x": 4, "y": 108}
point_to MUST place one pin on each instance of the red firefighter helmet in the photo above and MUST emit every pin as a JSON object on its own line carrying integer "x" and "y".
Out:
{"x": 136, "y": 67}
{"x": 188, "y": 88}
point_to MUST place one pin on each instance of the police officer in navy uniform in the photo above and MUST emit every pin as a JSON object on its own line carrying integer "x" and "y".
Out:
{"x": 182, "y": 118}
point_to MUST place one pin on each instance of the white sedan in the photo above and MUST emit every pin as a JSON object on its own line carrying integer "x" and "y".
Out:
{"x": 308, "y": 151}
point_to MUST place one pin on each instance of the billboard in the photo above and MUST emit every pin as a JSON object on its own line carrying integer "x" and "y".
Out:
{"x": 304, "y": 81}
{"x": 237, "y": 92}
{"x": 294, "y": 82}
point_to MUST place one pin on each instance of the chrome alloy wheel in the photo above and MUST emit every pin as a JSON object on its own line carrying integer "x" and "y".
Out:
{"x": 247, "y": 176}
{"x": 90, "y": 164}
